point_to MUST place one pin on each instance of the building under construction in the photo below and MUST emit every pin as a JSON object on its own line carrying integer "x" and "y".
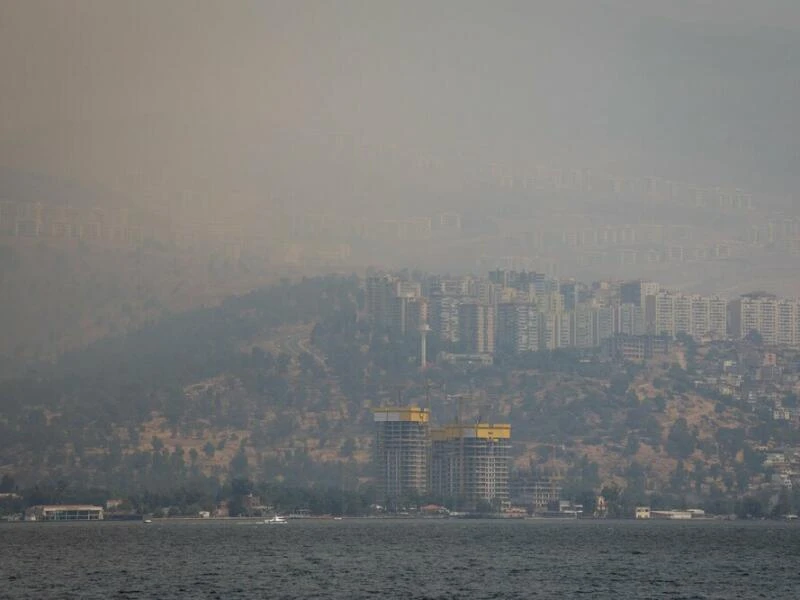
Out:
{"x": 469, "y": 464}
{"x": 402, "y": 446}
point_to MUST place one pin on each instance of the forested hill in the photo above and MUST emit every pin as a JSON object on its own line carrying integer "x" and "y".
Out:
{"x": 183, "y": 396}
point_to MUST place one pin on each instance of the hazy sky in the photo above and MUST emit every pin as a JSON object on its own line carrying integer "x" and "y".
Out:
{"x": 170, "y": 92}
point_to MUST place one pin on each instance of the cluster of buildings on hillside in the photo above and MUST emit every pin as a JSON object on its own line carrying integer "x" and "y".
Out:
{"x": 763, "y": 379}
{"x": 463, "y": 465}
{"x": 520, "y": 311}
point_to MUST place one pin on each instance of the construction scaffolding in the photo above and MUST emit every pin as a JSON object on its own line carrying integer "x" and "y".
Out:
{"x": 470, "y": 464}
{"x": 402, "y": 446}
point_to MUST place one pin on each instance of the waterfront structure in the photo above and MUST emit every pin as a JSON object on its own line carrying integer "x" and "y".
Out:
{"x": 535, "y": 493}
{"x": 64, "y": 512}
{"x": 470, "y": 464}
{"x": 402, "y": 444}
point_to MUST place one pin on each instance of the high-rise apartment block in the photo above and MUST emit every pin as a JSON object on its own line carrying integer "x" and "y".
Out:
{"x": 476, "y": 327}
{"x": 402, "y": 445}
{"x": 582, "y": 330}
{"x": 629, "y": 319}
{"x": 517, "y": 328}
{"x": 602, "y": 324}
{"x": 777, "y": 321}
{"x": 408, "y": 315}
{"x": 379, "y": 297}
{"x": 465, "y": 465}
{"x": 444, "y": 317}
{"x": 696, "y": 316}
{"x": 396, "y": 305}
{"x": 709, "y": 317}
{"x": 470, "y": 464}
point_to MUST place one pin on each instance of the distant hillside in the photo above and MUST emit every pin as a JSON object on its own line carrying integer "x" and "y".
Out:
{"x": 276, "y": 386}
{"x": 58, "y": 296}
{"x": 188, "y": 378}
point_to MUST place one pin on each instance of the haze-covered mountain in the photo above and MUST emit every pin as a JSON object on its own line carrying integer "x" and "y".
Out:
{"x": 277, "y": 385}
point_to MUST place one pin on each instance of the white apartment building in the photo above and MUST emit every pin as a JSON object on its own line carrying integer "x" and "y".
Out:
{"x": 444, "y": 317}
{"x": 565, "y": 339}
{"x": 776, "y": 320}
{"x": 602, "y": 324}
{"x": 582, "y": 329}
{"x": 697, "y": 316}
{"x": 549, "y": 334}
{"x": 629, "y": 319}
{"x": 664, "y": 315}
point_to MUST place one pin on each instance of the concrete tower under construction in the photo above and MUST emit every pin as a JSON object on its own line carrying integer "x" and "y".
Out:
{"x": 402, "y": 446}
{"x": 469, "y": 464}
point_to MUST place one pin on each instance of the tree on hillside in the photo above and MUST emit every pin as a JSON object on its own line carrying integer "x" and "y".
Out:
{"x": 239, "y": 465}
{"x": 7, "y": 484}
{"x": 681, "y": 441}
{"x": 209, "y": 450}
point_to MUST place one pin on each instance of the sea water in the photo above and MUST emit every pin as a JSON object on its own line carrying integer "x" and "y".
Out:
{"x": 381, "y": 558}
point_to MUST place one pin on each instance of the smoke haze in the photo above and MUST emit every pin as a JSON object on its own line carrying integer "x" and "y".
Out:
{"x": 168, "y": 94}
{"x": 243, "y": 140}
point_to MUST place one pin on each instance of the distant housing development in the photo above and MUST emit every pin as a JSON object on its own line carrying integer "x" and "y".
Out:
{"x": 473, "y": 319}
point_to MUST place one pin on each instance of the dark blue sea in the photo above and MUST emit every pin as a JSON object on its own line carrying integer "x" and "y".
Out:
{"x": 400, "y": 559}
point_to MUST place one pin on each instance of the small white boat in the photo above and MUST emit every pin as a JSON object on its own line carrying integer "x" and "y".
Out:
{"x": 148, "y": 520}
{"x": 275, "y": 520}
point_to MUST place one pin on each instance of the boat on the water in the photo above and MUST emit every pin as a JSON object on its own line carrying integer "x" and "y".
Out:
{"x": 277, "y": 519}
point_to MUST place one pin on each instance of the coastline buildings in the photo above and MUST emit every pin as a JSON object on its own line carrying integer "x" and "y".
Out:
{"x": 64, "y": 512}
{"x": 402, "y": 444}
{"x": 467, "y": 465}
{"x": 470, "y": 464}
